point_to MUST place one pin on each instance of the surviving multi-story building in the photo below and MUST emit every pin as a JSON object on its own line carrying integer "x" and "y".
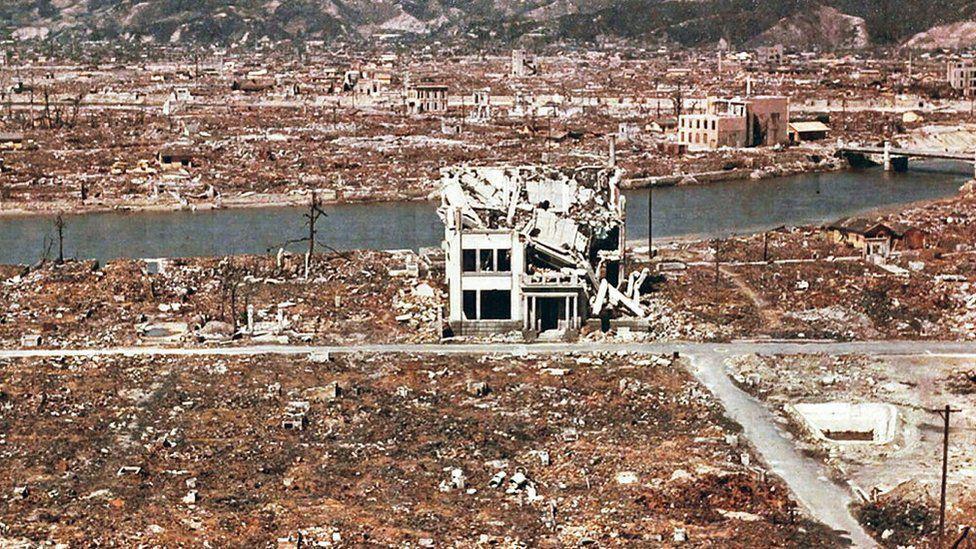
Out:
{"x": 427, "y": 98}
{"x": 962, "y": 76}
{"x": 535, "y": 249}
{"x": 739, "y": 122}
{"x": 522, "y": 64}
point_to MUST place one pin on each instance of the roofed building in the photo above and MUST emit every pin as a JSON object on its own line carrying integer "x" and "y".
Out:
{"x": 808, "y": 131}
{"x": 875, "y": 238}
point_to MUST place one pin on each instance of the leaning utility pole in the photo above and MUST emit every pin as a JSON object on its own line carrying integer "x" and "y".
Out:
{"x": 314, "y": 212}
{"x": 717, "y": 263}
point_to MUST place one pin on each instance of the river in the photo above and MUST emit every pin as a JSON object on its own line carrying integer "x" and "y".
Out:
{"x": 718, "y": 209}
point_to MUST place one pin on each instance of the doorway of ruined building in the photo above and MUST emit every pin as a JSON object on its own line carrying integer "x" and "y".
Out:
{"x": 551, "y": 316}
{"x": 758, "y": 137}
{"x": 550, "y": 311}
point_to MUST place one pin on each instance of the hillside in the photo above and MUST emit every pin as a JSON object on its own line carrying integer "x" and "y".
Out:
{"x": 833, "y": 24}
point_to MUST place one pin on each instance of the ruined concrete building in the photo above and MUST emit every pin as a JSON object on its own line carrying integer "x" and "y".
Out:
{"x": 482, "y": 105}
{"x": 535, "y": 249}
{"x": 962, "y": 76}
{"x": 740, "y": 122}
{"x": 522, "y": 64}
{"x": 427, "y": 98}
{"x": 770, "y": 55}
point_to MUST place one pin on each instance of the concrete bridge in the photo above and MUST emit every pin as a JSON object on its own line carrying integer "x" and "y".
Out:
{"x": 897, "y": 158}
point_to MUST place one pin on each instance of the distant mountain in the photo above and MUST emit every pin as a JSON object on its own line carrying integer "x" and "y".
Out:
{"x": 828, "y": 24}
{"x": 820, "y": 27}
{"x": 958, "y": 35}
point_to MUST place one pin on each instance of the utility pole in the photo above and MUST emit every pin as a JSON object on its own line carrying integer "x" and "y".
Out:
{"x": 716, "y": 263}
{"x": 945, "y": 413}
{"x": 314, "y": 212}
{"x": 650, "y": 224}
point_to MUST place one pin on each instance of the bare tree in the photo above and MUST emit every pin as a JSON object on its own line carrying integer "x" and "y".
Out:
{"x": 31, "y": 94}
{"x": 231, "y": 278}
{"x": 314, "y": 213}
{"x": 59, "y": 225}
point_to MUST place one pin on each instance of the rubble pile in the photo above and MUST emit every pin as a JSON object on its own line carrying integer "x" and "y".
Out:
{"x": 697, "y": 307}
{"x": 350, "y": 297}
{"x": 419, "y": 307}
{"x": 906, "y": 515}
{"x": 384, "y": 450}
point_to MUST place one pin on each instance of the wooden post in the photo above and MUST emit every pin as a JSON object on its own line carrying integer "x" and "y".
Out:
{"x": 945, "y": 413}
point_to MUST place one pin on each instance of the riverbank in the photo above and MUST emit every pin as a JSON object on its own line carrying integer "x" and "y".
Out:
{"x": 796, "y": 161}
{"x": 243, "y": 201}
{"x": 822, "y": 164}
{"x": 705, "y": 211}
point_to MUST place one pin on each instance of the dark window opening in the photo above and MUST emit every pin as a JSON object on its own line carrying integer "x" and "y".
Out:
{"x": 487, "y": 260}
{"x": 469, "y": 261}
{"x": 550, "y": 311}
{"x": 505, "y": 260}
{"x": 470, "y": 304}
{"x": 496, "y": 305}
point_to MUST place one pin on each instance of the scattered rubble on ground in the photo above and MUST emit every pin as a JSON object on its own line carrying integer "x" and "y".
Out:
{"x": 374, "y": 449}
{"x": 892, "y": 454}
{"x": 351, "y": 296}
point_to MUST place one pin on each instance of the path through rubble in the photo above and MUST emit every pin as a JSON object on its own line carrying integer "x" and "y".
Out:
{"x": 824, "y": 500}
{"x": 770, "y": 315}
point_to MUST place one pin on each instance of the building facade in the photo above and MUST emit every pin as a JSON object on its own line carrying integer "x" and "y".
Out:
{"x": 427, "y": 98}
{"x": 739, "y": 122}
{"x": 527, "y": 248}
{"x": 962, "y": 76}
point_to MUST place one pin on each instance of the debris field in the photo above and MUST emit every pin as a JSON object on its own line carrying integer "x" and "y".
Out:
{"x": 381, "y": 450}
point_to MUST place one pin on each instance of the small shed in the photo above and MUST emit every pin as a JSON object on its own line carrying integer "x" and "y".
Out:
{"x": 859, "y": 232}
{"x": 808, "y": 131}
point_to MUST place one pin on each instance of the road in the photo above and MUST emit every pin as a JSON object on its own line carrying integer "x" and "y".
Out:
{"x": 808, "y": 480}
{"x": 823, "y": 499}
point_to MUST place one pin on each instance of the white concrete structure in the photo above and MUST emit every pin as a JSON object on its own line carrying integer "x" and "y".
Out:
{"x": 961, "y": 75}
{"x": 520, "y": 243}
{"x": 482, "y": 104}
{"x": 845, "y": 423}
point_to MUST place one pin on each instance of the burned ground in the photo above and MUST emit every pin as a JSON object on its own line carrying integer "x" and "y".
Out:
{"x": 619, "y": 449}
{"x": 350, "y": 297}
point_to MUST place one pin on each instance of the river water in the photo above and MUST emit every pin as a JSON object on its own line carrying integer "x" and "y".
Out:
{"x": 718, "y": 209}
